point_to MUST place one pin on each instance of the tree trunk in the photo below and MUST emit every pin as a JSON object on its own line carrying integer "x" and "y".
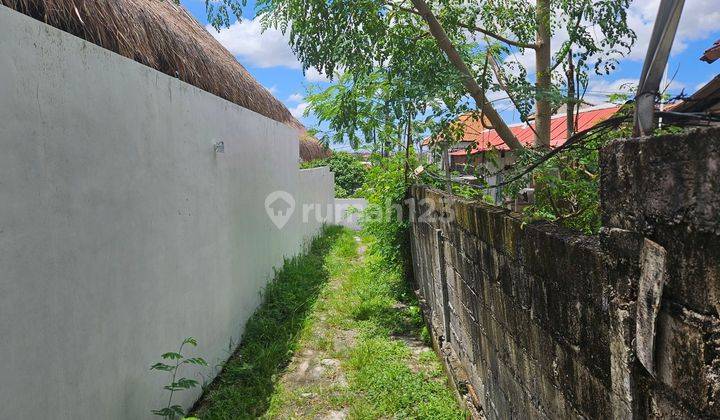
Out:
{"x": 468, "y": 80}
{"x": 570, "y": 95}
{"x": 543, "y": 76}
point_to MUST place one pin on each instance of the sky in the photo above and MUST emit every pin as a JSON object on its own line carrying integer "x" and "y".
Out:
{"x": 268, "y": 57}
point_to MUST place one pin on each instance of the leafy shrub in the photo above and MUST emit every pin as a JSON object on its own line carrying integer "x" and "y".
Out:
{"x": 349, "y": 172}
{"x": 385, "y": 188}
{"x": 245, "y": 385}
{"x": 435, "y": 177}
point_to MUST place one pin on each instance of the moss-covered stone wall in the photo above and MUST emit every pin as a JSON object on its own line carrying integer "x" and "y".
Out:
{"x": 543, "y": 321}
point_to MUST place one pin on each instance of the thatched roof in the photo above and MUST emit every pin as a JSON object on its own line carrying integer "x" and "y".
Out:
{"x": 311, "y": 149}
{"x": 164, "y": 36}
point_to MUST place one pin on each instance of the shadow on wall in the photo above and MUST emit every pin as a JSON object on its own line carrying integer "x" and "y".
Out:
{"x": 244, "y": 386}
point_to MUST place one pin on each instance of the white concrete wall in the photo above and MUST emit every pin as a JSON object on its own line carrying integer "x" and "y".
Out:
{"x": 121, "y": 230}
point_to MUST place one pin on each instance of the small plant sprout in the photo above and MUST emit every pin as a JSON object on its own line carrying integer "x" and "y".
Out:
{"x": 176, "y": 359}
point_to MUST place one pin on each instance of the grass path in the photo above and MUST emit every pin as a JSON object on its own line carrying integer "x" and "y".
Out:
{"x": 339, "y": 336}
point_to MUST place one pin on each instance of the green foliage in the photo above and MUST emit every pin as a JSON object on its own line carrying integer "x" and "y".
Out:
{"x": 386, "y": 50}
{"x": 595, "y": 31}
{"x": 470, "y": 192}
{"x": 314, "y": 298}
{"x": 392, "y": 390}
{"x": 568, "y": 190}
{"x": 353, "y": 110}
{"x": 177, "y": 360}
{"x": 435, "y": 177}
{"x": 372, "y": 109}
{"x": 385, "y": 188}
{"x": 221, "y": 12}
{"x": 378, "y": 301}
{"x": 569, "y": 182}
{"x": 391, "y": 69}
{"x": 335, "y": 34}
{"x": 349, "y": 172}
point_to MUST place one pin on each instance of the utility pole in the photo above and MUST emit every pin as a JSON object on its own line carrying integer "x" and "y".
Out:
{"x": 656, "y": 60}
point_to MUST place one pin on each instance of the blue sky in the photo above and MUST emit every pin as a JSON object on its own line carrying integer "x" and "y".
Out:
{"x": 268, "y": 57}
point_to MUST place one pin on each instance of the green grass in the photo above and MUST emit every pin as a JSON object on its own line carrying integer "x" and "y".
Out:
{"x": 247, "y": 381}
{"x": 388, "y": 388}
{"x": 331, "y": 293}
{"x": 386, "y": 380}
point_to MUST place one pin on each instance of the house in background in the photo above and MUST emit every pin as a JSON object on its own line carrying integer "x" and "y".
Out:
{"x": 712, "y": 53}
{"x": 481, "y": 151}
{"x": 472, "y": 127}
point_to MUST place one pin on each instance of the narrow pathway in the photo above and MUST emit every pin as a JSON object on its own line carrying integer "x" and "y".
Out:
{"x": 359, "y": 354}
{"x": 362, "y": 355}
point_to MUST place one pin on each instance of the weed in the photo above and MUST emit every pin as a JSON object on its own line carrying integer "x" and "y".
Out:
{"x": 172, "y": 411}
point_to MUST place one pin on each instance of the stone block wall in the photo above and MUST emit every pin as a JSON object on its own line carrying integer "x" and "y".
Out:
{"x": 542, "y": 321}
{"x": 667, "y": 190}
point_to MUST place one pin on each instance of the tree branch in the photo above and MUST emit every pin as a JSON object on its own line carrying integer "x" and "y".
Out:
{"x": 473, "y": 28}
{"x": 503, "y": 84}
{"x": 562, "y": 53}
{"x": 468, "y": 80}
{"x": 499, "y": 37}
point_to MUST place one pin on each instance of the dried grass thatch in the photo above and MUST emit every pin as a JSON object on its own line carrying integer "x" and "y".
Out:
{"x": 311, "y": 149}
{"x": 164, "y": 36}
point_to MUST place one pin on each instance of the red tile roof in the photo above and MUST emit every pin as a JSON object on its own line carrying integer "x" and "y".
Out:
{"x": 489, "y": 139}
{"x": 474, "y": 120}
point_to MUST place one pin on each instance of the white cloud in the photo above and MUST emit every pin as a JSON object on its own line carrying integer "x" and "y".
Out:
{"x": 599, "y": 88}
{"x": 700, "y": 18}
{"x": 314, "y": 75}
{"x": 299, "y": 109}
{"x": 294, "y": 98}
{"x": 271, "y": 48}
{"x": 246, "y": 40}
{"x": 272, "y": 89}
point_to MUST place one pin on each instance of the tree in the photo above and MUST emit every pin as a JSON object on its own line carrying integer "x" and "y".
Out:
{"x": 357, "y": 111}
{"x": 379, "y": 110}
{"x": 362, "y": 36}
